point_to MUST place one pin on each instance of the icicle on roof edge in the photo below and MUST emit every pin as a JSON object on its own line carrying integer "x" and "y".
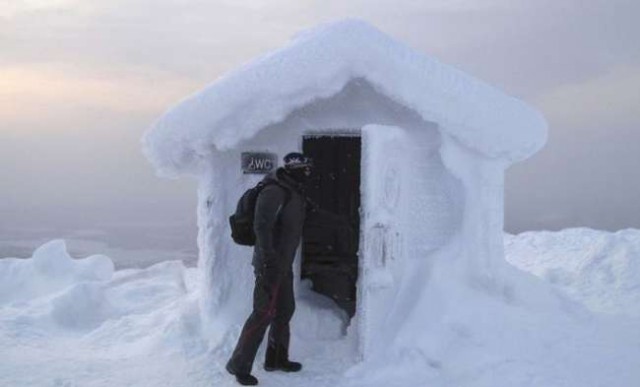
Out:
{"x": 318, "y": 63}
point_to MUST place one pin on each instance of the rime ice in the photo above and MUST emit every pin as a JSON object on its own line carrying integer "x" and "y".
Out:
{"x": 435, "y": 143}
{"x": 434, "y": 291}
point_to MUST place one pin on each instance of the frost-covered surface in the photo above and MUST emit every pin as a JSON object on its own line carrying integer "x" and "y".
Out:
{"x": 68, "y": 322}
{"x": 51, "y": 269}
{"x": 598, "y": 268}
{"x": 411, "y": 113}
{"x": 142, "y": 328}
{"x": 392, "y": 241}
{"x": 317, "y": 64}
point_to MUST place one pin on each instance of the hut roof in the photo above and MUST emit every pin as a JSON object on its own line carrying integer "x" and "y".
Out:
{"x": 317, "y": 64}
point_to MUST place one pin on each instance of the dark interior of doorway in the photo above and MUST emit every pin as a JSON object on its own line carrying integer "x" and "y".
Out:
{"x": 332, "y": 231}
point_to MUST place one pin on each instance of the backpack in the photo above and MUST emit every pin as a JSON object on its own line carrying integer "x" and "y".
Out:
{"x": 242, "y": 220}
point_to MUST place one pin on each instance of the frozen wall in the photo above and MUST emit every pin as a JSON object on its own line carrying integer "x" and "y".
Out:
{"x": 432, "y": 196}
{"x": 358, "y": 105}
{"x": 411, "y": 207}
{"x": 483, "y": 221}
{"x": 432, "y": 273}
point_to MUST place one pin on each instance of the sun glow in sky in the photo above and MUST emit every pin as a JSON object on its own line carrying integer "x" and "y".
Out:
{"x": 39, "y": 92}
{"x": 97, "y": 73}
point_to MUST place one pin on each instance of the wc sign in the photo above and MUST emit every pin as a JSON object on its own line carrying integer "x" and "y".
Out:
{"x": 253, "y": 162}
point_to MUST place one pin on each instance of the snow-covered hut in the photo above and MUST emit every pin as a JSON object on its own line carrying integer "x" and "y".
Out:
{"x": 410, "y": 155}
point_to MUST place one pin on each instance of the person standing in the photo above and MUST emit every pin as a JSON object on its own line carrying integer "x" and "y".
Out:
{"x": 278, "y": 222}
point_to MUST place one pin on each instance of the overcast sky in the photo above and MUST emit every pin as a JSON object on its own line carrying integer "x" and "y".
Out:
{"x": 80, "y": 81}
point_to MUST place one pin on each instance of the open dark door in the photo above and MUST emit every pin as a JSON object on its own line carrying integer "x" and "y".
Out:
{"x": 331, "y": 233}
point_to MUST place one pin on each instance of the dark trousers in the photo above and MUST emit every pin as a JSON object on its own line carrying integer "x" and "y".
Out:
{"x": 273, "y": 307}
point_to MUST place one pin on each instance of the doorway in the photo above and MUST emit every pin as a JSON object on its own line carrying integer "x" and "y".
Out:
{"x": 332, "y": 231}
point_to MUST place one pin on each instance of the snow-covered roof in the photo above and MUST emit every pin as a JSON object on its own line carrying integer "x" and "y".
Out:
{"x": 317, "y": 64}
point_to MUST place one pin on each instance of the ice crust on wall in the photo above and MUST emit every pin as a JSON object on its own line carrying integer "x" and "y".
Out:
{"x": 433, "y": 195}
{"x": 407, "y": 216}
{"x": 318, "y": 64}
{"x": 226, "y": 266}
{"x": 452, "y": 296}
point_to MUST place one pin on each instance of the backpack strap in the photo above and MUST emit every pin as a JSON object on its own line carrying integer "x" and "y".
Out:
{"x": 287, "y": 192}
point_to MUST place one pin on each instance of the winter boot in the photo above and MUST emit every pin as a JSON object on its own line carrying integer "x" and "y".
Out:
{"x": 244, "y": 379}
{"x": 277, "y": 359}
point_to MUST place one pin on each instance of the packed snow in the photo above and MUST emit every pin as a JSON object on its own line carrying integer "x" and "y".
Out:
{"x": 596, "y": 268}
{"x": 318, "y": 64}
{"x": 76, "y": 322}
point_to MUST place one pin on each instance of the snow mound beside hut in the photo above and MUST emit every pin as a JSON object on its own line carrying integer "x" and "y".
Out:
{"x": 597, "y": 268}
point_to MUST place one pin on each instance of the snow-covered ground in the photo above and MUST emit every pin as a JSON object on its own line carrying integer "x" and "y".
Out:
{"x": 599, "y": 269}
{"x": 78, "y": 322}
{"x": 128, "y": 244}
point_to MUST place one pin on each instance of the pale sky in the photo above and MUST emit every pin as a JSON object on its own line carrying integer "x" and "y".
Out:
{"x": 81, "y": 80}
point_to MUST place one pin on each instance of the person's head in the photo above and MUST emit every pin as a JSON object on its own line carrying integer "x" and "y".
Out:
{"x": 298, "y": 166}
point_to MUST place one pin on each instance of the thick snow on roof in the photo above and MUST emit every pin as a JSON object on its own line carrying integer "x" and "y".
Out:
{"x": 318, "y": 64}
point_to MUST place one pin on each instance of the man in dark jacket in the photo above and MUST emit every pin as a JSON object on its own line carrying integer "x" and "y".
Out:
{"x": 279, "y": 217}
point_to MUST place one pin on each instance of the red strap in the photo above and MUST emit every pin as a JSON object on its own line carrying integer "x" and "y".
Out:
{"x": 268, "y": 313}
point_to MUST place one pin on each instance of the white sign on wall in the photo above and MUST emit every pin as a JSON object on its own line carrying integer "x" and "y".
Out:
{"x": 259, "y": 162}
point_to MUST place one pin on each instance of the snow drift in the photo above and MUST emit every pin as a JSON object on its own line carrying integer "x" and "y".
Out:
{"x": 151, "y": 335}
{"x": 76, "y": 322}
{"x": 597, "y": 268}
{"x": 51, "y": 269}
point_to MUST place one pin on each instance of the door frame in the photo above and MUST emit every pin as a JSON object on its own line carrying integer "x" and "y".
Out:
{"x": 344, "y": 133}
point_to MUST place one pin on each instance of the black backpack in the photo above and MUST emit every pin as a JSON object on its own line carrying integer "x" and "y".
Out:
{"x": 242, "y": 220}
